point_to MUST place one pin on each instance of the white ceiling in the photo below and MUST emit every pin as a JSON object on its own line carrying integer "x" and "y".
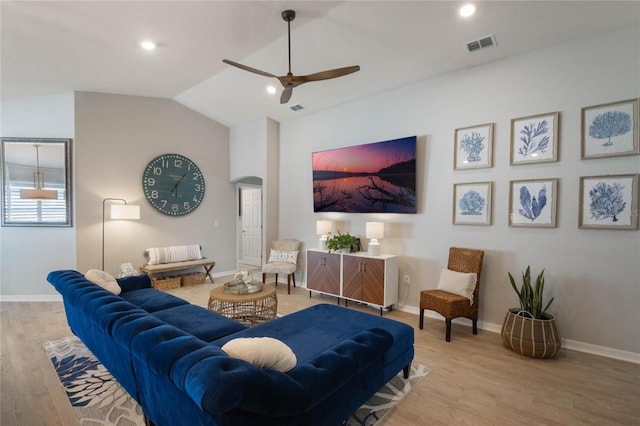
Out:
{"x": 55, "y": 46}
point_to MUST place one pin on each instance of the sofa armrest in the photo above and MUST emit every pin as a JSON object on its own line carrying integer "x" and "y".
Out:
{"x": 134, "y": 282}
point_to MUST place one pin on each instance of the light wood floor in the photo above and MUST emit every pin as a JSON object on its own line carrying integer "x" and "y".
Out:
{"x": 474, "y": 380}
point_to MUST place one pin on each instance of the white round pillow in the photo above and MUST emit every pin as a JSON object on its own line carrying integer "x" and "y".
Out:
{"x": 263, "y": 352}
{"x": 104, "y": 280}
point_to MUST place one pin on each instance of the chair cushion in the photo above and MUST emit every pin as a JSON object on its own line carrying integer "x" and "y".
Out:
{"x": 279, "y": 268}
{"x": 104, "y": 280}
{"x": 460, "y": 283}
{"x": 263, "y": 352}
{"x": 290, "y": 256}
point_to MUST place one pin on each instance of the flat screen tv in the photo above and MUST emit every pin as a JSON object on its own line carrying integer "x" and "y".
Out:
{"x": 372, "y": 178}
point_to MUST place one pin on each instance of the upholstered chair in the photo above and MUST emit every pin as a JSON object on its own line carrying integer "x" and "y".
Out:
{"x": 458, "y": 289}
{"x": 282, "y": 260}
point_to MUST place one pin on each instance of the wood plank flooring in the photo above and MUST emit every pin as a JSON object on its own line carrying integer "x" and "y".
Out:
{"x": 475, "y": 380}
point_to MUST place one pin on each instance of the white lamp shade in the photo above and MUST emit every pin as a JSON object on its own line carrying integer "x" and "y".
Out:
{"x": 375, "y": 230}
{"x": 323, "y": 227}
{"x": 125, "y": 211}
{"x": 38, "y": 194}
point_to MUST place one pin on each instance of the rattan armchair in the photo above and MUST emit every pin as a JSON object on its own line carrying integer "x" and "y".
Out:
{"x": 452, "y": 305}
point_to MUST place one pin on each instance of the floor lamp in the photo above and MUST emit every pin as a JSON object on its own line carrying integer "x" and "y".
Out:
{"x": 120, "y": 210}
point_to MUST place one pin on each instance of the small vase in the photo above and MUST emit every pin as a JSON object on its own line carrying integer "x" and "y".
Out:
{"x": 536, "y": 338}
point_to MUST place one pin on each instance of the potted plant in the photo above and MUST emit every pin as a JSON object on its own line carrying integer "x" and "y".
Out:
{"x": 529, "y": 330}
{"x": 345, "y": 243}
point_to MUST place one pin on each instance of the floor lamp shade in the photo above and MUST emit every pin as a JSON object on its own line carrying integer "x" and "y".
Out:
{"x": 375, "y": 232}
{"x": 323, "y": 228}
{"x": 119, "y": 210}
{"x": 125, "y": 212}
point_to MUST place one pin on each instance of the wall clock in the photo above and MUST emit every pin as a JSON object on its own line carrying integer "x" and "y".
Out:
{"x": 173, "y": 184}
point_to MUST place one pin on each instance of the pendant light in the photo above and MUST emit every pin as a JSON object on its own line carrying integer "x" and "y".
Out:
{"x": 38, "y": 192}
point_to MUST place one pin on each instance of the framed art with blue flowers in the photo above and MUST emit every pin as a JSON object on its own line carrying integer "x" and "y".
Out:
{"x": 472, "y": 203}
{"x": 473, "y": 147}
{"x": 534, "y": 139}
{"x": 609, "y": 202}
{"x": 533, "y": 202}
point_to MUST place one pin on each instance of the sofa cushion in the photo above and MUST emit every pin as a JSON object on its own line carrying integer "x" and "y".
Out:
{"x": 134, "y": 282}
{"x": 104, "y": 280}
{"x": 263, "y": 352}
{"x": 199, "y": 322}
{"x": 152, "y": 300}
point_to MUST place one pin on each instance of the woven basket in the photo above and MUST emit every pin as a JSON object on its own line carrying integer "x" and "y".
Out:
{"x": 194, "y": 278}
{"x": 537, "y": 338}
{"x": 165, "y": 283}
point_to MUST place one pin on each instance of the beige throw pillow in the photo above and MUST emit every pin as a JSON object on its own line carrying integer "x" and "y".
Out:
{"x": 104, "y": 280}
{"x": 263, "y": 352}
{"x": 460, "y": 283}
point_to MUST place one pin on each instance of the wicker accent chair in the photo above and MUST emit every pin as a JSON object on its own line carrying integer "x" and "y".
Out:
{"x": 280, "y": 267}
{"x": 452, "y": 305}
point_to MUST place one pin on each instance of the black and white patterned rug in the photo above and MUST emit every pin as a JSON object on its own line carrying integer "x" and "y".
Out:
{"x": 98, "y": 399}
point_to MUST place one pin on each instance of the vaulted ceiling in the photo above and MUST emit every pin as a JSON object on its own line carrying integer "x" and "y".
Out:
{"x": 56, "y": 46}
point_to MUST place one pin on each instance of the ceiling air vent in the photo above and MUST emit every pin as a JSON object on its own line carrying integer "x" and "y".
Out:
{"x": 296, "y": 107}
{"x": 481, "y": 43}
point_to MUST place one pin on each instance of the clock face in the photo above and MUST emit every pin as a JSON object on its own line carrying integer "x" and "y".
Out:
{"x": 173, "y": 184}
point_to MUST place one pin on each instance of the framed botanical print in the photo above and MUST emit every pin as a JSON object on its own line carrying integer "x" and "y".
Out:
{"x": 473, "y": 147}
{"x": 472, "y": 203}
{"x": 609, "y": 202}
{"x": 534, "y": 139}
{"x": 610, "y": 130}
{"x": 533, "y": 202}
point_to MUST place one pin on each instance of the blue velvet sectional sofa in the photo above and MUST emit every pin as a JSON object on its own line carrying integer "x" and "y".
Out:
{"x": 166, "y": 353}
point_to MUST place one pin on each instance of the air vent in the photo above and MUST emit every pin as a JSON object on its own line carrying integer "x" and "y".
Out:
{"x": 481, "y": 43}
{"x": 296, "y": 107}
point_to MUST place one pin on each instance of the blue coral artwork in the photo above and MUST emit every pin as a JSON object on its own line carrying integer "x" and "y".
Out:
{"x": 610, "y": 130}
{"x": 533, "y": 203}
{"x": 472, "y": 203}
{"x": 534, "y": 139}
{"x": 609, "y": 202}
{"x": 473, "y": 147}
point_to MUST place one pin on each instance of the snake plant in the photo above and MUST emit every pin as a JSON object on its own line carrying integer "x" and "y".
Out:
{"x": 531, "y": 298}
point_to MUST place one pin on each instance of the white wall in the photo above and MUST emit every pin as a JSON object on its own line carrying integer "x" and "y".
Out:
{"x": 116, "y": 137}
{"x": 593, "y": 274}
{"x": 27, "y": 255}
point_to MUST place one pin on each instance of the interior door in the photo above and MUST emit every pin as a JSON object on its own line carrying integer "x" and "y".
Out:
{"x": 251, "y": 215}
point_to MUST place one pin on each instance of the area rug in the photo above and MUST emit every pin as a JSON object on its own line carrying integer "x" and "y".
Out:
{"x": 98, "y": 399}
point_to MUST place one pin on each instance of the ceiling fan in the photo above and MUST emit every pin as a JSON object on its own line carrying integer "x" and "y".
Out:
{"x": 290, "y": 81}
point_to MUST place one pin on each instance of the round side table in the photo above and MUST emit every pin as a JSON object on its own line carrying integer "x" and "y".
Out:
{"x": 249, "y": 309}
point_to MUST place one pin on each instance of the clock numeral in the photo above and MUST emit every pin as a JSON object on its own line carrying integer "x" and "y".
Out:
{"x": 174, "y": 207}
{"x": 186, "y": 205}
{"x": 164, "y": 203}
{"x": 157, "y": 170}
{"x": 154, "y": 194}
{"x": 150, "y": 181}
{"x": 177, "y": 163}
{"x": 195, "y": 198}
{"x": 196, "y": 176}
{"x": 197, "y": 187}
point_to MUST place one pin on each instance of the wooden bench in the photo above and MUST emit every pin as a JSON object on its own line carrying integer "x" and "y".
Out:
{"x": 207, "y": 264}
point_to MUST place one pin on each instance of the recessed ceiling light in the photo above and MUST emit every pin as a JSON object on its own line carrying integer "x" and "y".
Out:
{"x": 148, "y": 45}
{"x": 467, "y": 10}
{"x": 271, "y": 90}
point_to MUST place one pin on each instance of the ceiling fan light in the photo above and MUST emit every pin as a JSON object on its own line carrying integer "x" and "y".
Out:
{"x": 148, "y": 45}
{"x": 271, "y": 90}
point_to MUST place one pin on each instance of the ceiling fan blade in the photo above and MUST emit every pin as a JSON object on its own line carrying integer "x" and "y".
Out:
{"x": 246, "y": 68}
{"x": 286, "y": 95}
{"x": 325, "y": 75}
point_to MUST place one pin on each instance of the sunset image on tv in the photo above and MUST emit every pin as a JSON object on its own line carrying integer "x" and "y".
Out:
{"x": 372, "y": 178}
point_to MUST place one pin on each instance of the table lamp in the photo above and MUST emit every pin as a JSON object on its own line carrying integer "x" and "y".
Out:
{"x": 323, "y": 227}
{"x": 374, "y": 231}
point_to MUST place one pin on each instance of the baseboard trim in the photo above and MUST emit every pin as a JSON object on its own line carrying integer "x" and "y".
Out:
{"x": 573, "y": 345}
